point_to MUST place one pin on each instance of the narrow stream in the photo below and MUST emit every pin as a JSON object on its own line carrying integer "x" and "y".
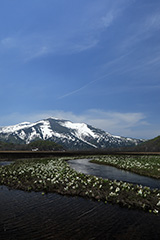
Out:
{"x": 104, "y": 171}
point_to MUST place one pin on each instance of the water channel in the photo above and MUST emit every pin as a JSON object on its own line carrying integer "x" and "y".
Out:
{"x": 35, "y": 216}
{"x": 104, "y": 171}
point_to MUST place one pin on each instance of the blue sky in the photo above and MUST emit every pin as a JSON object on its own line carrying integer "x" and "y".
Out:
{"x": 92, "y": 61}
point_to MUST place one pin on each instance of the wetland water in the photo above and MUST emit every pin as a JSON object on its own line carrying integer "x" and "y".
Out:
{"x": 104, "y": 171}
{"x": 5, "y": 163}
{"x": 26, "y": 215}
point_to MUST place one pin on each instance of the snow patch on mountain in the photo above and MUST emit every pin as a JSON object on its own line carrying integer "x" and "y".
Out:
{"x": 46, "y": 130}
{"x": 33, "y": 135}
{"x": 81, "y": 129}
{"x": 22, "y": 134}
{"x": 17, "y": 127}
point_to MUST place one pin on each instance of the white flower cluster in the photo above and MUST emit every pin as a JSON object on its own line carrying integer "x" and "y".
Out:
{"x": 146, "y": 164}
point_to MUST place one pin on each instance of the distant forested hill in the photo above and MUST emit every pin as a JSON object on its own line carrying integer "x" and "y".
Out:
{"x": 152, "y": 145}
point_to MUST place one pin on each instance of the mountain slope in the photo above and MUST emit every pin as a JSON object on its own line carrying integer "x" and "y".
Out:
{"x": 76, "y": 136}
{"x": 152, "y": 145}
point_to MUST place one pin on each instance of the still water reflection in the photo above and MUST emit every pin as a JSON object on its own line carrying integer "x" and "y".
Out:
{"x": 33, "y": 216}
{"x": 104, "y": 171}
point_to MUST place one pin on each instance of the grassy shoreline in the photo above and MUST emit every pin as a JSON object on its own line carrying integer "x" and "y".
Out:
{"x": 55, "y": 175}
{"x": 143, "y": 165}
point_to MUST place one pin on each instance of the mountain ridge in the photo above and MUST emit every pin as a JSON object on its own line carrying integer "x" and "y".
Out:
{"x": 73, "y": 136}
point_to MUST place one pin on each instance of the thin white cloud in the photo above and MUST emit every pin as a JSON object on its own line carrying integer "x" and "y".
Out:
{"x": 43, "y": 50}
{"x": 120, "y": 66}
{"x": 105, "y": 76}
{"x": 116, "y": 122}
{"x": 79, "y": 89}
{"x": 72, "y": 92}
{"x": 154, "y": 60}
{"x": 142, "y": 30}
{"x": 75, "y": 36}
{"x": 152, "y": 22}
{"x": 31, "y": 47}
{"x": 107, "y": 19}
{"x": 8, "y": 42}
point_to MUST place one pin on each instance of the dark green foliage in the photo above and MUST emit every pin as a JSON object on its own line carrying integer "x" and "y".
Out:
{"x": 4, "y": 146}
{"x": 45, "y": 145}
{"x": 41, "y": 145}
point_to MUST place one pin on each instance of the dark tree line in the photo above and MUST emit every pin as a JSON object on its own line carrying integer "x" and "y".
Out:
{"x": 39, "y": 145}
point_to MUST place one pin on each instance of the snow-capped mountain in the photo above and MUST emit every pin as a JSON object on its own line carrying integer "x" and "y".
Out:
{"x": 70, "y": 135}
